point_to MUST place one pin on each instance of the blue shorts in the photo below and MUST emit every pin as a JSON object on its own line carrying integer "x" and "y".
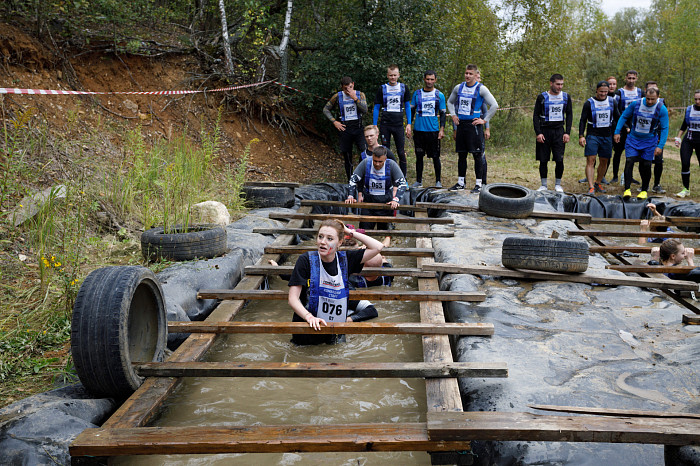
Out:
{"x": 598, "y": 145}
{"x": 640, "y": 147}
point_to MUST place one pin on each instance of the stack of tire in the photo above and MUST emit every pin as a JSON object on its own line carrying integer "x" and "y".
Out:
{"x": 183, "y": 244}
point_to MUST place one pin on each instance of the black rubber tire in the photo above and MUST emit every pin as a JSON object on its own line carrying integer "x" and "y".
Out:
{"x": 545, "y": 254}
{"x": 265, "y": 196}
{"x": 506, "y": 200}
{"x": 118, "y": 318}
{"x": 200, "y": 241}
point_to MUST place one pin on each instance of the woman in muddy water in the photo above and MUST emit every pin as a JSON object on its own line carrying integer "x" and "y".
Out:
{"x": 319, "y": 286}
{"x": 671, "y": 253}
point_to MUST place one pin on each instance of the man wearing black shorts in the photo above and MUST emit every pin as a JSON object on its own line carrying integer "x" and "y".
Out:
{"x": 428, "y": 106}
{"x": 352, "y": 104}
{"x": 552, "y": 112}
{"x": 392, "y": 100}
{"x": 465, "y": 105}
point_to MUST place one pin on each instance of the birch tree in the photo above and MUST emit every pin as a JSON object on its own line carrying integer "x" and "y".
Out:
{"x": 224, "y": 34}
{"x": 284, "y": 53}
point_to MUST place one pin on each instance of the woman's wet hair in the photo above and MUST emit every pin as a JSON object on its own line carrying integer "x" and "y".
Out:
{"x": 336, "y": 224}
{"x": 669, "y": 247}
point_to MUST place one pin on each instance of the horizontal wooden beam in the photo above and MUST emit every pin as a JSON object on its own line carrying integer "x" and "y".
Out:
{"x": 350, "y": 328}
{"x": 272, "y": 184}
{"x": 500, "y": 426}
{"x": 639, "y": 268}
{"x": 322, "y": 369}
{"x": 614, "y": 412}
{"x": 367, "y": 271}
{"x": 407, "y": 252}
{"x": 373, "y": 233}
{"x": 691, "y": 320}
{"x": 589, "y": 278}
{"x": 670, "y": 221}
{"x": 259, "y": 439}
{"x": 621, "y": 249}
{"x": 579, "y": 217}
{"x": 367, "y": 293}
{"x": 361, "y": 205}
{"x": 362, "y": 218}
{"x": 633, "y": 234}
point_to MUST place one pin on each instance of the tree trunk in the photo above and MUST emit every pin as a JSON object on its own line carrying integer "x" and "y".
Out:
{"x": 284, "y": 44}
{"x": 227, "y": 45}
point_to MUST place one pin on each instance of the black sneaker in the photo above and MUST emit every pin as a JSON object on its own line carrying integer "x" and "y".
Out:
{"x": 476, "y": 189}
{"x": 658, "y": 189}
{"x": 583, "y": 180}
{"x": 456, "y": 187}
{"x": 635, "y": 181}
{"x": 614, "y": 180}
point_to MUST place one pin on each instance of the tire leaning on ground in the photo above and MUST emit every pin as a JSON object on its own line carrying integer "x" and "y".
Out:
{"x": 545, "y": 254}
{"x": 118, "y": 318}
{"x": 506, "y": 200}
{"x": 269, "y": 196}
{"x": 199, "y": 241}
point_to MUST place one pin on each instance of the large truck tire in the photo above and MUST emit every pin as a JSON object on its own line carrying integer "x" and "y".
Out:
{"x": 545, "y": 254}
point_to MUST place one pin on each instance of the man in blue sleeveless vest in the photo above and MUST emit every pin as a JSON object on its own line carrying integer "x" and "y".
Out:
{"x": 428, "y": 106}
{"x": 380, "y": 180}
{"x": 553, "y": 110}
{"x": 625, "y": 96}
{"x": 691, "y": 141}
{"x": 352, "y": 105}
{"x": 372, "y": 140}
{"x": 658, "y": 162}
{"x": 392, "y": 100}
{"x": 644, "y": 117}
{"x": 595, "y": 131}
{"x": 465, "y": 105}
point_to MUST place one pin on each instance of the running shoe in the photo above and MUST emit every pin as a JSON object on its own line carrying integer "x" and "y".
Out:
{"x": 558, "y": 188}
{"x": 542, "y": 188}
{"x": 583, "y": 180}
{"x": 476, "y": 189}
{"x": 658, "y": 189}
{"x": 684, "y": 193}
{"x": 642, "y": 195}
{"x": 614, "y": 180}
{"x": 456, "y": 187}
{"x": 438, "y": 184}
{"x": 591, "y": 190}
{"x": 635, "y": 181}
{"x": 627, "y": 193}
{"x": 604, "y": 181}
{"x": 417, "y": 184}
{"x": 598, "y": 188}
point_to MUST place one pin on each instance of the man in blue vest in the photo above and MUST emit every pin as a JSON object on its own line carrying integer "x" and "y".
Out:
{"x": 379, "y": 180}
{"x": 553, "y": 110}
{"x": 624, "y": 96}
{"x": 428, "y": 106}
{"x": 392, "y": 101}
{"x": 691, "y": 141}
{"x": 658, "y": 162}
{"x": 465, "y": 105}
{"x": 372, "y": 140}
{"x": 644, "y": 118}
{"x": 352, "y": 104}
{"x": 595, "y": 131}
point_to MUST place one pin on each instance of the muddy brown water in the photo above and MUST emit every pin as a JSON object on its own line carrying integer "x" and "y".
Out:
{"x": 220, "y": 402}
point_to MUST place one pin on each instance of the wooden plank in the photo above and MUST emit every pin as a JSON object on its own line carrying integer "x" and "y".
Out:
{"x": 258, "y": 439}
{"x": 145, "y": 402}
{"x": 349, "y": 328}
{"x": 643, "y": 268}
{"x": 298, "y": 249}
{"x": 367, "y": 271}
{"x": 498, "y": 271}
{"x": 691, "y": 320}
{"x": 321, "y": 369}
{"x": 579, "y": 217}
{"x": 272, "y": 184}
{"x": 441, "y": 394}
{"x": 361, "y": 218}
{"x": 614, "y": 412}
{"x": 621, "y": 249}
{"x": 670, "y": 221}
{"x": 365, "y": 293}
{"x": 633, "y": 234}
{"x": 482, "y": 425}
{"x": 373, "y": 233}
{"x": 360, "y": 205}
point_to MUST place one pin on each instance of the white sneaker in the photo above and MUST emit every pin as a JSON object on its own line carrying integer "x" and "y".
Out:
{"x": 684, "y": 193}
{"x": 542, "y": 188}
{"x": 558, "y": 188}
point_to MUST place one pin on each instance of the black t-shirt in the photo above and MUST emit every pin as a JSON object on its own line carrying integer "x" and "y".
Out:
{"x": 392, "y": 118}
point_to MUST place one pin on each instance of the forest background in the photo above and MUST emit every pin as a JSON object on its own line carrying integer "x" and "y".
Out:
{"x": 135, "y": 170}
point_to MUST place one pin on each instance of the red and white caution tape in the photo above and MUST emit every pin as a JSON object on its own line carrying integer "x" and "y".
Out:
{"x": 14, "y": 90}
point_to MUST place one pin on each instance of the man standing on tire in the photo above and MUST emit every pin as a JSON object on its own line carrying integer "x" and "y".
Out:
{"x": 428, "y": 106}
{"x": 465, "y": 105}
{"x": 377, "y": 179}
{"x": 552, "y": 112}
{"x": 595, "y": 131}
{"x": 392, "y": 100}
{"x": 625, "y": 96}
{"x": 352, "y": 105}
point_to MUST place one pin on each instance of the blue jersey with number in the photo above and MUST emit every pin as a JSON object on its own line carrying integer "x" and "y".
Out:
{"x": 555, "y": 106}
{"x": 348, "y": 107}
{"x": 315, "y": 288}
{"x": 692, "y": 119}
{"x": 428, "y": 107}
{"x": 469, "y": 101}
{"x": 374, "y": 181}
{"x": 601, "y": 112}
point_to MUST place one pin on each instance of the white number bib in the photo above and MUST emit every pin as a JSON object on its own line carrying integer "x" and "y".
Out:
{"x": 602, "y": 114}
{"x": 350, "y": 111}
{"x": 428, "y": 103}
{"x": 630, "y": 96}
{"x": 465, "y": 106}
{"x": 332, "y": 305}
{"x": 694, "y": 117}
{"x": 556, "y": 112}
{"x": 643, "y": 125}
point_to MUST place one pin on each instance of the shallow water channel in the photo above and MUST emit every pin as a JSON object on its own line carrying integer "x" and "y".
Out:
{"x": 283, "y": 401}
